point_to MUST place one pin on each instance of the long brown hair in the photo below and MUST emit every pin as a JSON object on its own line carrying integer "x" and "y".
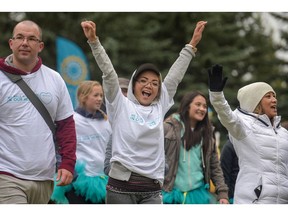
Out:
{"x": 203, "y": 129}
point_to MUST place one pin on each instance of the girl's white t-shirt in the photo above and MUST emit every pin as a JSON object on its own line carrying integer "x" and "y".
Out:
{"x": 92, "y": 138}
{"x": 138, "y": 135}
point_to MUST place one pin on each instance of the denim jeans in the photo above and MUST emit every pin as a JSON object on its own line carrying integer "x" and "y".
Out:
{"x": 113, "y": 197}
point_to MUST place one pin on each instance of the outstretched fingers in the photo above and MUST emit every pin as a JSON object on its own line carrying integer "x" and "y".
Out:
{"x": 197, "y": 35}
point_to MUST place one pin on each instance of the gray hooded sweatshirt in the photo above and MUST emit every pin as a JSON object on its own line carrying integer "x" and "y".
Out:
{"x": 138, "y": 136}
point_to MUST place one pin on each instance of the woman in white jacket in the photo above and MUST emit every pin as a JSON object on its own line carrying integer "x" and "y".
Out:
{"x": 260, "y": 142}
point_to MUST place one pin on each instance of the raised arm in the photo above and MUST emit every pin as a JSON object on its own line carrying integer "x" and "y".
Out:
{"x": 179, "y": 68}
{"x": 227, "y": 118}
{"x": 110, "y": 78}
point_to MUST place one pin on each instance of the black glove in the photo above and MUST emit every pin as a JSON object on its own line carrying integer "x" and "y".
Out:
{"x": 216, "y": 82}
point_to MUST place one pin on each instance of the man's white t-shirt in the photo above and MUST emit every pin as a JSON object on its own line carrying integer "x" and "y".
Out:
{"x": 26, "y": 143}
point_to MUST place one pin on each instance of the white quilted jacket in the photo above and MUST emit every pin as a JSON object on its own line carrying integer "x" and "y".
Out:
{"x": 262, "y": 150}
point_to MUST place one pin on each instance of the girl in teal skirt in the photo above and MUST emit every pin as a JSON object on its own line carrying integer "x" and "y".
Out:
{"x": 191, "y": 156}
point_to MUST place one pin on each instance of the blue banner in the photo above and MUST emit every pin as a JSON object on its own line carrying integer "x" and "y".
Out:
{"x": 72, "y": 64}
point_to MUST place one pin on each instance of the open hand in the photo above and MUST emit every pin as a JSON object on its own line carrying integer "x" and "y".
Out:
{"x": 216, "y": 82}
{"x": 197, "y": 35}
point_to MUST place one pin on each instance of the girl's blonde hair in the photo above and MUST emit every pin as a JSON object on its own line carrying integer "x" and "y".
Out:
{"x": 84, "y": 89}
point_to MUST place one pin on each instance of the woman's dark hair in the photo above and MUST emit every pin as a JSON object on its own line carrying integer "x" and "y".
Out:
{"x": 203, "y": 129}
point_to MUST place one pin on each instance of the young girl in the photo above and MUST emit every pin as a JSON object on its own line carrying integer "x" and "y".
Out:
{"x": 93, "y": 134}
{"x": 138, "y": 161}
{"x": 191, "y": 155}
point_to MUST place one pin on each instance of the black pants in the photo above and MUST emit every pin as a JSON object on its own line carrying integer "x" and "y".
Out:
{"x": 75, "y": 199}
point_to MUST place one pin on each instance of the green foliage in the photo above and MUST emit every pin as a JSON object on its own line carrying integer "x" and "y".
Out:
{"x": 238, "y": 41}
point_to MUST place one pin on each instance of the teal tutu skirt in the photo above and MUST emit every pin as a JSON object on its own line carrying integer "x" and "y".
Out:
{"x": 93, "y": 188}
{"x": 200, "y": 195}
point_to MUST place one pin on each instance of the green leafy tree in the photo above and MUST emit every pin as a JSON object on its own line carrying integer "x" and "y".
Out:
{"x": 238, "y": 41}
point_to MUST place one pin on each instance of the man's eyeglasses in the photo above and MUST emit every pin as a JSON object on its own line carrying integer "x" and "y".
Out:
{"x": 145, "y": 82}
{"x": 30, "y": 39}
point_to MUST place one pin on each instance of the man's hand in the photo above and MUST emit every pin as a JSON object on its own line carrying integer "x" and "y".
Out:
{"x": 64, "y": 177}
{"x": 216, "y": 82}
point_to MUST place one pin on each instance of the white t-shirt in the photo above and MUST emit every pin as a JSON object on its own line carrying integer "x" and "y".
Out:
{"x": 138, "y": 137}
{"x": 92, "y": 138}
{"x": 26, "y": 143}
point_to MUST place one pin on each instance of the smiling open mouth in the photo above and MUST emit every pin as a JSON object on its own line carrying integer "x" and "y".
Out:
{"x": 146, "y": 94}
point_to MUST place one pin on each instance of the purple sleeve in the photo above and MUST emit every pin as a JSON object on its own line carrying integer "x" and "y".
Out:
{"x": 66, "y": 139}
